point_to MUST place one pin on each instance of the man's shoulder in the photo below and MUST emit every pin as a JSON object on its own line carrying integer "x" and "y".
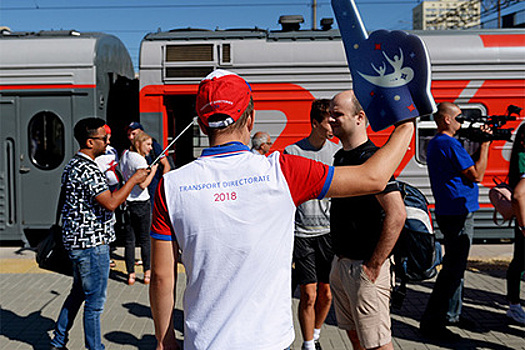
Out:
{"x": 355, "y": 156}
{"x": 332, "y": 146}
{"x": 368, "y": 150}
{"x": 298, "y": 147}
{"x": 80, "y": 162}
{"x": 441, "y": 138}
{"x": 446, "y": 143}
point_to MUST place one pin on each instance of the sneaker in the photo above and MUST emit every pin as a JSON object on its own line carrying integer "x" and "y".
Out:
{"x": 317, "y": 346}
{"x": 516, "y": 314}
{"x": 463, "y": 323}
{"x": 439, "y": 333}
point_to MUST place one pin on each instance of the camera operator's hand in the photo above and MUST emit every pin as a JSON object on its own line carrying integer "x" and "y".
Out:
{"x": 476, "y": 172}
{"x": 487, "y": 129}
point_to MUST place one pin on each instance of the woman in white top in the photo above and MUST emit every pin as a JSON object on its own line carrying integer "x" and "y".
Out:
{"x": 138, "y": 205}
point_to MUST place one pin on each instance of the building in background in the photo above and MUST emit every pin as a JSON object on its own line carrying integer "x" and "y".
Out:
{"x": 468, "y": 14}
{"x": 447, "y": 14}
{"x": 509, "y": 14}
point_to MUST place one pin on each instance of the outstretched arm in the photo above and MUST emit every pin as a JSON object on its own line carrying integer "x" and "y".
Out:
{"x": 111, "y": 200}
{"x": 373, "y": 175}
{"x": 162, "y": 291}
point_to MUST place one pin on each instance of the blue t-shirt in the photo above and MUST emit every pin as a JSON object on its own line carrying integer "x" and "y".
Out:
{"x": 454, "y": 194}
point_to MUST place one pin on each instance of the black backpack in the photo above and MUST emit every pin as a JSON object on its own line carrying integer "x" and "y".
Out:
{"x": 416, "y": 253}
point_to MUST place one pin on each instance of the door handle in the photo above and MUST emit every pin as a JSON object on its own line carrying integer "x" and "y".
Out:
{"x": 24, "y": 169}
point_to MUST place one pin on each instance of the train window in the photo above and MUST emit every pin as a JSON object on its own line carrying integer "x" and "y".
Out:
{"x": 46, "y": 140}
{"x": 426, "y": 129}
{"x": 226, "y": 57}
{"x": 189, "y": 53}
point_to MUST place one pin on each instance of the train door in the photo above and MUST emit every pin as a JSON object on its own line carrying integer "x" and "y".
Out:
{"x": 9, "y": 213}
{"x": 181, "y": 111}
{"x": 43, "y": 151}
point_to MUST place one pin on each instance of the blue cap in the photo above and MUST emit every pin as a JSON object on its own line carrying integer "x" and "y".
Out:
{"x": 134, "y": 126}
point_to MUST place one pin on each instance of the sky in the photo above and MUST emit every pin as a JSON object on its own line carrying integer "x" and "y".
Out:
{"x": 132, "y": 20}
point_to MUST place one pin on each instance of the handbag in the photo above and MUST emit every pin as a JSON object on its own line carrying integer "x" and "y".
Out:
{"x": 50, "y": 252}
{"x": 501, "y": 198}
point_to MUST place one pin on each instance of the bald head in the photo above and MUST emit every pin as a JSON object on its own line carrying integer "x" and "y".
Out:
{"x": 445, "y": 109}
{"x": 348, "y": 120}
{"x": 445, "y": 118}
{"x": 347, "y": 101}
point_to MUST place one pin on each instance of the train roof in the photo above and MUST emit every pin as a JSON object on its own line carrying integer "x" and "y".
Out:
{"x": 63, "y": 49}
{"x": 188, "y": 34}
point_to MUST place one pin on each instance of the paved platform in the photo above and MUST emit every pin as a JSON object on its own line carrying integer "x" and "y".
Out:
{"x": 30, "y": 300}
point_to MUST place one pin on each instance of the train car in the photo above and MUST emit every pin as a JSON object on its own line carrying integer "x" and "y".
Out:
{"x": 49, "y": 81}
{"x": 481, "y": 71}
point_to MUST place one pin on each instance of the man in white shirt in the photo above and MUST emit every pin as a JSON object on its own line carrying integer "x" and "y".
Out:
{"x": 237, "y": 251}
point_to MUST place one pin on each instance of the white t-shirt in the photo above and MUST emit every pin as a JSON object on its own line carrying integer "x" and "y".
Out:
{"x": 232, "y": 212}
{"x": 129, "y": 164}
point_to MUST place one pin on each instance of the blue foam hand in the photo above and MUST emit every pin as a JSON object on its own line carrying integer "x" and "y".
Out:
{"x": 390, "y": 69}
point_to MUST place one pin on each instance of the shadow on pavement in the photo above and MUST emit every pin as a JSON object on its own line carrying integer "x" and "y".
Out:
{"x": 412, "y": 333}
{"x": 31, "y": 329}
{"x": 123, "y": 338}
{"x": 147, "y": 341}
{"x": 485, "y": 320}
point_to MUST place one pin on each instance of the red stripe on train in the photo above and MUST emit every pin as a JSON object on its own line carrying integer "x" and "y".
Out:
{"x": 509, "y": 40}
{"x": 46, "y": 86}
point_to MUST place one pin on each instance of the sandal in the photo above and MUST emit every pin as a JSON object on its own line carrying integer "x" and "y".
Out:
{"x": 131, "y": 280}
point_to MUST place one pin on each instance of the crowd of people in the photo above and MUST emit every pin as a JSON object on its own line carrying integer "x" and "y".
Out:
{"x": 329, "y": 213}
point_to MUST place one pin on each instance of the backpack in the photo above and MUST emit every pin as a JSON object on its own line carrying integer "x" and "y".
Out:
{"x": 501, "y": 198}
{"x": 416, "y": 253}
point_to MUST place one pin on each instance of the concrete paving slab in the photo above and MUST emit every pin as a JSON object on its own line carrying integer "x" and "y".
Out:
{"x": 30, "y": 300}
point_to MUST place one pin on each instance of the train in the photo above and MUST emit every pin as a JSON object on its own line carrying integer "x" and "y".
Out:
{"x": 43, "y": 94}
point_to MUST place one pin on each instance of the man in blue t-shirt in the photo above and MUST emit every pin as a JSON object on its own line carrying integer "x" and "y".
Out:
{"x": 453, "y": 177}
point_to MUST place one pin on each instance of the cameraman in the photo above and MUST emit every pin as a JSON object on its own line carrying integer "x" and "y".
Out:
{"x": 453, "y": 177}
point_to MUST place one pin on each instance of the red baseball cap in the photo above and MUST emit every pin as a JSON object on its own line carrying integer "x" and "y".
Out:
{"x": 222, "y": 98}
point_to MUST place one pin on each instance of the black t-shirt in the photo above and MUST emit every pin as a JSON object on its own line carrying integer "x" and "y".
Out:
{"x": 356, "y": 222}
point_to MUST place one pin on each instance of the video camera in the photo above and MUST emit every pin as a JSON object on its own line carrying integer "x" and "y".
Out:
{"x": 494, "y": 122}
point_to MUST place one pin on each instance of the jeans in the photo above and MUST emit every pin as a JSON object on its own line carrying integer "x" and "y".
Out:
{"x": 138, "y": 229}
{"x": 445, "y": 302}
{"x": 90, "y": 280}
{"x": 516, "y": 267}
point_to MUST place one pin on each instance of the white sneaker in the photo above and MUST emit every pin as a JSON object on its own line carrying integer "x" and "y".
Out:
{"x": 517, "y": 314}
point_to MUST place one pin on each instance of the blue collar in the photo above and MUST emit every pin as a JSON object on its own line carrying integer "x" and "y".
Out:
{"x": 228, "y": 149}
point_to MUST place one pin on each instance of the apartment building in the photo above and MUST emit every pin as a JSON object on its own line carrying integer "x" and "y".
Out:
{"x": 446, "y": 14}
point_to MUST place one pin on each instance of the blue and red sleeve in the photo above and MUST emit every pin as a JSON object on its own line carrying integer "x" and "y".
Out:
{"x": 306, "y": 178}
{"x": 161, "y": 227}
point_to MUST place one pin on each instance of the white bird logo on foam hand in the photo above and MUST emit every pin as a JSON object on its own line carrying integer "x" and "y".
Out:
{"x": 401, "y": 75}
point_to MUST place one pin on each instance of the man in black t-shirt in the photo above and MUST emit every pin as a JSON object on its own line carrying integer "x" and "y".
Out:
{"x": 364, "y": 231}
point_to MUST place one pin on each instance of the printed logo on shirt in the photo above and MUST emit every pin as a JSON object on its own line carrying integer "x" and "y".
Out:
{"x": 244, "y": 181}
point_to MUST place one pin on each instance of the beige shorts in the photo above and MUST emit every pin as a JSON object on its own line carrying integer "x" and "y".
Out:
{"x": 361, "y": 305}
